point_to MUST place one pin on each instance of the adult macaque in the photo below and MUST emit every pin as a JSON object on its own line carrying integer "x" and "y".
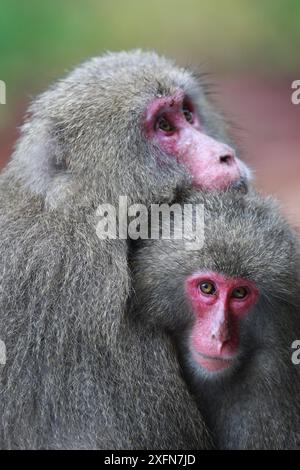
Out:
{"x": 127, "y": 124}
{"x": 233, "y": 311}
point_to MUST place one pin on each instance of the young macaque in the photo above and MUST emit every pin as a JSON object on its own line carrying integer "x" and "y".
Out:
{"x": 232, "y": 309}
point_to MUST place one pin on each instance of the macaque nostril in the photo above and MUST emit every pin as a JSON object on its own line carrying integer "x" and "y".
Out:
{"x": 226, "y": 159}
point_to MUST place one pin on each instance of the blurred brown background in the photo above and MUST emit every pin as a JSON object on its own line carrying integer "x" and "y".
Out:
{"x": 251, "y": 48}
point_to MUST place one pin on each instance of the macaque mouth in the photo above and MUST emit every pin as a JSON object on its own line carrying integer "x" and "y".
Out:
{"x": 213, "y": 363}
{"x": 240, "y": 185}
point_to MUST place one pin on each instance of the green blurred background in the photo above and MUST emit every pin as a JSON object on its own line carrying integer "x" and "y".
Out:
{"x": 251, "y": 47}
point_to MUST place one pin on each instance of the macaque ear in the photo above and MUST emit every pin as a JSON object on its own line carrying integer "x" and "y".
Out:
{"x": 40, "y": 156}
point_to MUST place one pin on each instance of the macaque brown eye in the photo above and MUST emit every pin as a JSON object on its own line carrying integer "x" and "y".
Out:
{"x": 164, "y": 125}
{"x": 239, "y": 293}
{"x": 188, "y": 114}
{"x": 207, "y": 288}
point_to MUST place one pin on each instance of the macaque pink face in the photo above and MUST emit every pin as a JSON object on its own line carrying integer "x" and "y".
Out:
{"x": 172, "y": 124}
{"x": 218, "y": 304}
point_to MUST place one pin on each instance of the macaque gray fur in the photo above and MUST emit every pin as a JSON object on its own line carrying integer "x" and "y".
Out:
{"x": 79, "y": 372}
{"x": 255, "y": 403}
